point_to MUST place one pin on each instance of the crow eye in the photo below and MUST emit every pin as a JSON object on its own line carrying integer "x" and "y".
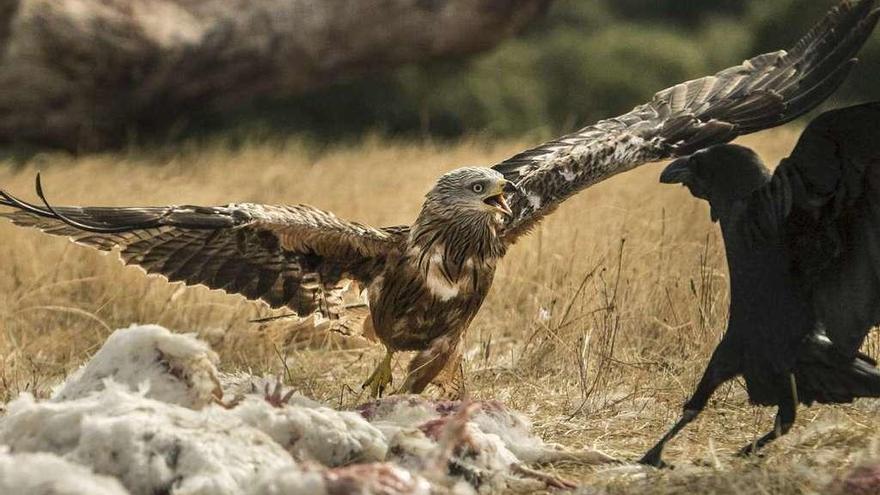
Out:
{"x": 478, "y": 188}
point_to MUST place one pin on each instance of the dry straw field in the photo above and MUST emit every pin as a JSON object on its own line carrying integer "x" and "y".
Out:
{"x": 598, "y": 326}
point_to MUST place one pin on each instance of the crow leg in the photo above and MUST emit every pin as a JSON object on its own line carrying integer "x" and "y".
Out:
{"x": 654, "y": 456}
{"x": 713, "y": 377}
{"x": 785, "y": 416}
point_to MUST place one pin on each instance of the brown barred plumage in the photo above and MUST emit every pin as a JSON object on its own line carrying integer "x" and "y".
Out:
{"x": 285, "y": 256}
{"x": 427, "y": 281}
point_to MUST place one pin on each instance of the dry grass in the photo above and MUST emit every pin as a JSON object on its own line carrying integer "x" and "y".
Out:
{"x": 598, "y": 326}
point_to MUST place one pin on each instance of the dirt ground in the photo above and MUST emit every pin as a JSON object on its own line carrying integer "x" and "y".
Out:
{"x": 598, "y": 325}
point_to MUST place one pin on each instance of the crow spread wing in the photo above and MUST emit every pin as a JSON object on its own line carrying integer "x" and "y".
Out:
{"x": 763, "y": 92}
{"x": 285, "y": 256}
{"x": 824, "y": 199}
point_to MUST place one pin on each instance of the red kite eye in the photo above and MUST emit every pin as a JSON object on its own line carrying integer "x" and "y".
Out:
{"x": 478, "y": 188}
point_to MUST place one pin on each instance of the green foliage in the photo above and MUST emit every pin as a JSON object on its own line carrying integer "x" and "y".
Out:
{"x": 584, "y": 79}
{"x": 688, "y": 13}
{"x": 586, "y": 60}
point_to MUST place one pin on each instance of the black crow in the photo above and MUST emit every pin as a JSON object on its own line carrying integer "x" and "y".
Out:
{"x": 803, "y": 251}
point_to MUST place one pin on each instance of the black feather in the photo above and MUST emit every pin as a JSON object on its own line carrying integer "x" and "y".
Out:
{"x": 803, "y": 249}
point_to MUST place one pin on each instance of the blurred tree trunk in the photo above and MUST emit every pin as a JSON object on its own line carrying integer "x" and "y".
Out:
{"x": 82, "y": 74}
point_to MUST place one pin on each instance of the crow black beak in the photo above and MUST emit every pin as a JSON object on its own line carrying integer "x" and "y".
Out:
{"x": 677, "y": 172}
